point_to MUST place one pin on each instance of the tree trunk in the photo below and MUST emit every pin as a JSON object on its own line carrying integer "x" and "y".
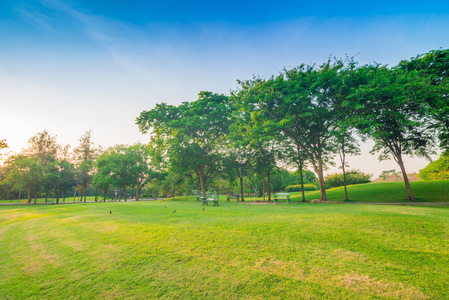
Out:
{"x": 84, "y": 192}
{"x": 35, "y": 198}
{"x": 96, "y": 194}
{"x": 344, "y": 184}
{"x": 319, "y": 171}
{"x": 74, "y": 196}
{"x": 269, "y": 185}
{"x": 241, "y": 184}
{"x": 203, "y": 184}
{"x": 404, "y": 175}
{"x": 29, "y": 195}
{"x": 343, "y": 162}
{"x": 138, "y": 190}
{"x": 263, "y": 180}
{"x": 302, "y": 184}
{"x": 124, "y": 192}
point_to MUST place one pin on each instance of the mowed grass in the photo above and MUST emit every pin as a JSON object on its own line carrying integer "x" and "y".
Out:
{"x": 385, "y": 192}
{"x": 142, "y": 250}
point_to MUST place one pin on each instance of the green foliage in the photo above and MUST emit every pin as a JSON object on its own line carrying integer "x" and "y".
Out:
{"x": 352, "y": 177}
{"x": 124, "y": 167}
{"x": 436, "y": 170}
{"x": 188, "y": 135}
{"x": 25, "y": 172}
{"x": 434, "y": 66}
{"x": 297, "y": 188}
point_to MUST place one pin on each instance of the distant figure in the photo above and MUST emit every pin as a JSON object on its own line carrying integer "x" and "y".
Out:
{"x": 229, "y": 208}
{"x": 110, "y": 212}
{"x": 174, "y": 211}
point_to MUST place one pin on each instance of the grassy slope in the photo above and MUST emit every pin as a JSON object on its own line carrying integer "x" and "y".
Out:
{"x": 143, "y": 250}
{"x": 391, "y": 192}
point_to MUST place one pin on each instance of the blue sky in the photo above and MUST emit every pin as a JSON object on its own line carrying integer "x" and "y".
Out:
{"x": 72, "y": 66}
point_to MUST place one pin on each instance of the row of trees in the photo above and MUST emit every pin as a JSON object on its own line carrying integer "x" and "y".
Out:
{"x": 47, "y": 169}
{"x": 307, "y": 115}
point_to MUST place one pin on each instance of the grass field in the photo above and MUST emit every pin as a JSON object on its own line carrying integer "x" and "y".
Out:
{"x": 142, "y": 250}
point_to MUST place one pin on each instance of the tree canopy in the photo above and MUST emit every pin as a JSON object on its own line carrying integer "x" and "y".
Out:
{"x": 190, "y": 133}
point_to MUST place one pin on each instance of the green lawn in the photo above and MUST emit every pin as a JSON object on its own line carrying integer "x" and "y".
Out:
{"x": 389, "y": 192}
{"x": 142, "y": 250}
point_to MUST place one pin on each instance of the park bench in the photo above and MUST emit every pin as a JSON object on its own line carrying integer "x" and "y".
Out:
{"x": 210, "y": 198}
{"x": 232, "y": 197}
{"x": 282, "y": 196}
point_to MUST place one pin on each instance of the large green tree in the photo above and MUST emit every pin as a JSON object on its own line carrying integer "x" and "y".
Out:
{"x": 300, "y": 104}
{"x": 44, "y": 147}
{"x": 391, "y": 109}
{"x": 25, "y": 172}
{"x": 191, "y": 133}
{"x": 434, "y": 65}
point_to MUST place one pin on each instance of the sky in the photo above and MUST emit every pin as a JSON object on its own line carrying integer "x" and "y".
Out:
{"x": 73, "y": 66}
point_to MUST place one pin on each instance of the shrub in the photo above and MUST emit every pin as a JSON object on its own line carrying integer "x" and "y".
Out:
{"x": 352, "y": 177}
{"x": 297, "y": 188}
{"x": 436, "y": 170}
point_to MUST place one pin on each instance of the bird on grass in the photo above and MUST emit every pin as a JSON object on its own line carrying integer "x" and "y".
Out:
{"x": 166, "y": 207}
{"x": 203, "y": 208}
{"x": 229, "y": 208}
{"x": 174, "y": 211}
{"x": 110, "y": 212}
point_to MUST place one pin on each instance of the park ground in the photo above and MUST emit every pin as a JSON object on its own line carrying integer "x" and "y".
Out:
{"x": 177, "y": 250}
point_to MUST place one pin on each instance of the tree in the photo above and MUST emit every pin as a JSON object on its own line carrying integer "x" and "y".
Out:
{"x": 391, "y": 109}
{"x": 434, "y": 66}
{"x": 300, "y": 104}
{"x": 190, "y": 133}
{"x": 294, "y": 154}
{"x": 140, "y": 171}
{"x": 63, "y": 178}
{"x": 124, "y": 167}
{"x": 236, "y": 164}
{"x": 44, "y": 147}
{"x": 25, "y": 172}
{"x": 113, "y": 168}
{"x": 346, "y": 144}
{"x": 84, "y": 156}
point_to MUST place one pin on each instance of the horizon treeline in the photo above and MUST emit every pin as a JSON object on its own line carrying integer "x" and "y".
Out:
{"x": 304, "y": 117}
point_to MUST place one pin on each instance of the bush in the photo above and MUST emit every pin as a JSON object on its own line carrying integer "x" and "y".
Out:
{"x": 436, "y": 170}
{"x": 297, "y": 188}
{"x": 352, "y": 177}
